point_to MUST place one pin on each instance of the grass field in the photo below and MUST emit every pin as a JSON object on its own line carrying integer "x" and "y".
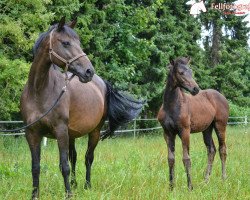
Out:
{"x": 129, "y": 168}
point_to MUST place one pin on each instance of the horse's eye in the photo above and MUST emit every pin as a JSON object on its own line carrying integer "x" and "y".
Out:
{"x": 182, "y": 72}
{"x": 66, "y": 43}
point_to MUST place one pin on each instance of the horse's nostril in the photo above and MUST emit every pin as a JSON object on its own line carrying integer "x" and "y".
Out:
{"x": 196, "y": 90}
{"x": 89, "y": 73}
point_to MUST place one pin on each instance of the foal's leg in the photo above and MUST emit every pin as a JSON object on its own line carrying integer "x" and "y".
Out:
{"x": 220, "y": 129}
{"x": 34, "y": 140}
{"x": 61, "y": 132}
{"x": 89, "y": 157}
{"x": 185, "y": 138}
{"x": 73, "y": 158}
{"x": 170, "y": 140}
{"x": 211, "y": 150}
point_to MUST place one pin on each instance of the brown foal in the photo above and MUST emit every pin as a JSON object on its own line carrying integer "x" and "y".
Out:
{"x": 183, "y": 114}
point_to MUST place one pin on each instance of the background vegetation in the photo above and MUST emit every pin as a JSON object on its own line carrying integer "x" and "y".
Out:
{"x": 130, "y": 168}
{"x": 130, "y": 43}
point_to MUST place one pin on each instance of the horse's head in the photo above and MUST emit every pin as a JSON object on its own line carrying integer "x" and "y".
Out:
{"x": 63, "y": 47}
{"x": 182, "y": 75}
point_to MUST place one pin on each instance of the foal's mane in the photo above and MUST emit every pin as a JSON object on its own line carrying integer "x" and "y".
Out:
{"x": 66, "y": 30}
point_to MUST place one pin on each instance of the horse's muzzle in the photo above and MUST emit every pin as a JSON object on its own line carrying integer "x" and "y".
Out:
{"x": 84, "y": 76}
{"x": 195, "y": 91}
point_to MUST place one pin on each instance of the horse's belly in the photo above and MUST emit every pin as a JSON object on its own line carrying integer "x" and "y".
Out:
{"x": 85, "y": 120}
{"x": 202, "y": 123}
{"x": 86, "y": 112}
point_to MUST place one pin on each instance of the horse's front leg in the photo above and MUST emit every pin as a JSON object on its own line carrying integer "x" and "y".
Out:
{"x": 61, "y": 132}
{"x": 185, "y": 138}
{"x": 170, "y": 140}
{"x": 73, "y": 158}
{"x": 34, "y": 140}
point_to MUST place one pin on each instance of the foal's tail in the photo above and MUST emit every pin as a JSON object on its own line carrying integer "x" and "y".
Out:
{"x": 122, "y": 108}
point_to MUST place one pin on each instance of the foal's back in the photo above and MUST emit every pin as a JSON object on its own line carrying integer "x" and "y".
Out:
{"x": 205, "y": 108}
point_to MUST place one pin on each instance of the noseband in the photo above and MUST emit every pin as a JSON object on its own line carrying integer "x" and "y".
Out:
{"x": 67, "y": 62}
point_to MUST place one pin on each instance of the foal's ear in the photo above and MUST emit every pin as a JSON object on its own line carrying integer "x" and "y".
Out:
{"x": 171, "y": 61}
{"x": 188, "y": 60}
{"x": 72, "y": 24}
{"x": 61, "y": 24}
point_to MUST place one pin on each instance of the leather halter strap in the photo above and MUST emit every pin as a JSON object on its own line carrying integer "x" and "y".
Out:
{"x": 67, "y": 62}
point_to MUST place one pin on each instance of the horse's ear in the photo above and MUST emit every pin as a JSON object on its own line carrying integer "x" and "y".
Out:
{"x": 61, "y": 24}
{"x": 72, "y": 24}
{"x": 171, "y": 61}
{"x": 170, "y": 67}
{"x": 188, "y": 60}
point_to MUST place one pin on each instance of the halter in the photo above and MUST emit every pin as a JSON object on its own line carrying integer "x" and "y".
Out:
{"x": 67, "y": 62}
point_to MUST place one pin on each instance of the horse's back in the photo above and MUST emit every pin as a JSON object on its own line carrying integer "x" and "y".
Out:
{"x": 205, "y": 107}
{"x": 220, "y": 104}
{"x": 87, "y": 105}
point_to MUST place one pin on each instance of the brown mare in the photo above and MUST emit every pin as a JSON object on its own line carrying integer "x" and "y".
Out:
{"x": 183, "y": 114}
{"x": 82, "y": 109}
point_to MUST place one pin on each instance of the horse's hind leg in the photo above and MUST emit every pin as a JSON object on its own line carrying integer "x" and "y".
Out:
{"x": 89, "y": 157}
{"x": 73, "y": 158}
{"x": 211, "y": 150}
{"x": 170, "y": 140}
{"x": 34, "y": 140}
{"x": 220, "y": 129}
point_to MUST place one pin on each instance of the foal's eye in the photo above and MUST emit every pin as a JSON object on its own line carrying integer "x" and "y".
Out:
{"x": 181, "y": 73}
{"x": 66, "y": 43}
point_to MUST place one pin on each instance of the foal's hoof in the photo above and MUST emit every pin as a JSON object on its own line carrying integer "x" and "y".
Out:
{"x": 171, "y": 187}
{"x": 206, "y": 179}
{"x": 87, "y": 186}
{"x": 190, "y": 188}
{"x": 73, "y": 184}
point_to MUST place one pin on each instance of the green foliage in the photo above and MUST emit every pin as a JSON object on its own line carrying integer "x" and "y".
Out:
{"x": 130, "y": 43}
{"x": 13, "y": 75}
{"x": 237, "y": 111}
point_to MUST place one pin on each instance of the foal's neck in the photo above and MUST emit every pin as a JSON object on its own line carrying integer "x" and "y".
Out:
{"x": 173, "y": 94}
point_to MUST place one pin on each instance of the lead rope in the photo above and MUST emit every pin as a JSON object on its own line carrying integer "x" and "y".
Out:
{"x": 64, "y": 89}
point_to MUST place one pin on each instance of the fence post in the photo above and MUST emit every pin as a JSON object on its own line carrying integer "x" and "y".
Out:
{"x": 245, "y": 121}
{"x": 134, "y": 128}
{"x": 45, "y": 141}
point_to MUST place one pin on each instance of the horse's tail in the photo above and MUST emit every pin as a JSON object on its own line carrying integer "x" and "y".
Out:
{"x": 122, "y": 108}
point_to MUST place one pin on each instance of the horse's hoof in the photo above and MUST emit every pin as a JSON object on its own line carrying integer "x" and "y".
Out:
{"x": 87, "y": 186}
{"x": 73, "y": 184}
{"x": 190, "y": 188}
{"x": 171, "y": 187}
{"x": 68, "y": 195}
{"x": 35, "y": 194}
{"x": 206, "y": 179}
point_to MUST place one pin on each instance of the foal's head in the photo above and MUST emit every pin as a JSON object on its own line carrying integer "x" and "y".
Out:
{"x": 62, "y": 46}
{"x": 182, "y": 75}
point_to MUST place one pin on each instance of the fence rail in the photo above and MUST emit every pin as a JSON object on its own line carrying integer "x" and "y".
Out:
{"x": 241, "y": 120}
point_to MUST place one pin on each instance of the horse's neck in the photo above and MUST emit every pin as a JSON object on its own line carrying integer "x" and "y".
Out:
{"x": 39, "y": 77}
{"x": 173, "y": 96}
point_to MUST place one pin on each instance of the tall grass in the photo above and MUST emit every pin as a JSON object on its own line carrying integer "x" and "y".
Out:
{"x": 129, "y": 168}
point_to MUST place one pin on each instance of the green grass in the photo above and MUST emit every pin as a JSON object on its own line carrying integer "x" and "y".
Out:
{"x": 129, "y": 168}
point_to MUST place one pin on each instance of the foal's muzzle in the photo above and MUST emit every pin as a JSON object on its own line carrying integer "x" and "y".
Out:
{"x": 195, "y": 91}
